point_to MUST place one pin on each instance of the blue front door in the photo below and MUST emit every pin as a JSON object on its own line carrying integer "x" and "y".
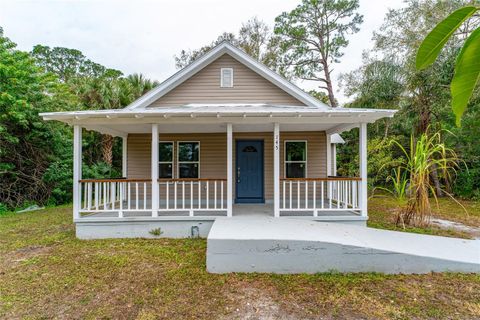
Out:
{"x": 249, "y": 171}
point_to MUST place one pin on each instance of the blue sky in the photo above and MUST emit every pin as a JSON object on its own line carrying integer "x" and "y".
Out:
{"x": 143, "y": 36}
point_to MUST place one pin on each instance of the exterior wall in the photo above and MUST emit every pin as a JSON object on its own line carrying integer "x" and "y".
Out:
{"x": 248, "y": 87}
{"x": 213, "y": 154}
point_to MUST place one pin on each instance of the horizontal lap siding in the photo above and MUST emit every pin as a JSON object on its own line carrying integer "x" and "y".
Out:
{"x": 204, "y": 87}
{"x": 213, "y": 154}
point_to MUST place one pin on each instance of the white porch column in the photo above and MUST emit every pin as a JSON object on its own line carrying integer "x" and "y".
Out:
{"x": 276, "y": 170}
{"x": 124, "y": 157}
{"x": 77, "y": 170}
{"x": 329, "y": 154}
{"x": 229, "y": 170}
{"x": 334, "y": 159}
{"x": 154, "y": 170}
{"x": 363, "y": 169}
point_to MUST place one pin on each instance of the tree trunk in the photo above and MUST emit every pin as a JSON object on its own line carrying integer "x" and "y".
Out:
{"x": 331, "y": 96}
{"x": 436, "y": 181}
{"x": 107, "y": 148}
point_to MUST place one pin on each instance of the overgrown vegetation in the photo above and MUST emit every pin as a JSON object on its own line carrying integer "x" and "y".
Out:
{"x": 45, "y": 272}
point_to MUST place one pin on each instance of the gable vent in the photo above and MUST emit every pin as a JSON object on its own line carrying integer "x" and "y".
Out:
{"x": 226, "y": 77}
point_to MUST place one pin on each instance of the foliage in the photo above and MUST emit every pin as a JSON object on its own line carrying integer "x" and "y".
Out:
{"x": 389, "y": 79}
{"x": 28, "y": 145}
{"x": 467, "y": 70}
{"x": 399, "y": 187}
{"x": 69, "y": 63}
{"x": 254, "y": 37}
{"x": 313, "y": 35}
{"x": 426, "y": 155}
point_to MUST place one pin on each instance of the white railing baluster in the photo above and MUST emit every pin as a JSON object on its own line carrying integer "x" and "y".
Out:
{"x": 314, "y": 191}
{"x": 221, "y": 194}
{"x": 136, "y": 195}
{"x": 207, "y": 196}
{"x": 129, "y": 193}
{"x": 191, "y": 197}
{"x": 306, "y": 194}
{"x": 183, "y": 194}
{"x": 96, "y": 196}
{"x": 330, "y": 194}
{"x": 89, "y": 196}
{"x": 338, "y": 195}
{"x": 145, "y": 195}
{"x": 120, "y": 197}
{"x": 290, "y": 190}
{"x": 199, "y": 194}
{"x": 167, "y": 196}
{"x": 298, "y": 194}
{"x": 283, "y": 195}
{"x": 175, "y": 198}
{"x": 215, "y": 194}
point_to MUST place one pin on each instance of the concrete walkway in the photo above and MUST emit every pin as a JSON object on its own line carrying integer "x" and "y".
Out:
{"x": 288, "y": 245}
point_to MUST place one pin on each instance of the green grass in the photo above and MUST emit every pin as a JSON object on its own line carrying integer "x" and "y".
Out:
{"x": 45, "y": 272}
{"x": 381, "y": 215}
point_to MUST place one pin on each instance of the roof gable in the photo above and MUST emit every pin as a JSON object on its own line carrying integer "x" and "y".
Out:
{"x": 204, "y": 87}
{"x": 224, "y": 48}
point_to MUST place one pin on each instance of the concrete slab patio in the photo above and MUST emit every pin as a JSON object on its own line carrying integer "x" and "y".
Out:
{"x": 291, "y": 245}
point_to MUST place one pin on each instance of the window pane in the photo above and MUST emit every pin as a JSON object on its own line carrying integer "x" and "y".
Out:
{"x": 188, "y": 170}
{"x": 165, "y": 151}
{"x": 188, "y": 151}
{"x": 295, "y": 170}
{"x": 165, "y": 171}
{"x": 296, "y": 151}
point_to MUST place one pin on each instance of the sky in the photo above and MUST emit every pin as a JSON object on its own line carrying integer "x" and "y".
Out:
{"x": 143, "y": 36}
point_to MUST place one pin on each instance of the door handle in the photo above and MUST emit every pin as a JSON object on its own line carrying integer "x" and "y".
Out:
{"x": 238, "y": 175}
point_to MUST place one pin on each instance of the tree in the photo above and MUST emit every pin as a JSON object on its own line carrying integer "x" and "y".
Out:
{"x": 29, "y": 147}
{"x": 68, "y": 63}
{"x": 467, "y": 69}
{"x": 254, "y": 37}
{"x": 313, "y": 35}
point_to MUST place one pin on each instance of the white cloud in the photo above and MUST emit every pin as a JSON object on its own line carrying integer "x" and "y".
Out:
{"x": 143, "y": 36}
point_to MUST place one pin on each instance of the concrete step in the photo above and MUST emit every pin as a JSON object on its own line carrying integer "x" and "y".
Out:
{"x": 263, "y": 244}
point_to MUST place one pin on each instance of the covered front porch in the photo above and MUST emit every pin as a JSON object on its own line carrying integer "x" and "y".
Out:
{"x": 204, "y": 176}
{"x": 318, "y": 195}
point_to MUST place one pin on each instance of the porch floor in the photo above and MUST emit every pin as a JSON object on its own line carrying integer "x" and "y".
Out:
{"x": 239, "y": 210}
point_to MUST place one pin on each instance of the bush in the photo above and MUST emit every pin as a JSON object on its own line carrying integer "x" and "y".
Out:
{"x": 467, "y": 184}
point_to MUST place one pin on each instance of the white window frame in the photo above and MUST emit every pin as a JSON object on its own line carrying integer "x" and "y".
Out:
{"x": 166, "y": 162}
{"x": 222, "y": 85}
{"x": 197, "y": 162}
{"x": 285, "y": 158}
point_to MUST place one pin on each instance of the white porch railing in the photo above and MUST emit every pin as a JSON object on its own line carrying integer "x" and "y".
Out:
{"x": 123, "y": 196}
{"x": 192, "y": 195}
{"x": 322, "y": 194}
{"x": 115, "y": 195}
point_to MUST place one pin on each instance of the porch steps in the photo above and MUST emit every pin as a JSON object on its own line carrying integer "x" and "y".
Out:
{"x": 289, "y": 245}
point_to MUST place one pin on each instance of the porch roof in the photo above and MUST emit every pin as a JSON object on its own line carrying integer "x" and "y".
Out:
{"x": 212, "y": 118}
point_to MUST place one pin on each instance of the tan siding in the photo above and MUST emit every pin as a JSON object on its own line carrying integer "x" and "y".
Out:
{"x": 204, "y": 87}
{"x": 213, "y": 154}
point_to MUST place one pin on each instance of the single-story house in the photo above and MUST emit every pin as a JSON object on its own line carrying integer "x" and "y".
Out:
{"x": 223, "y": 137}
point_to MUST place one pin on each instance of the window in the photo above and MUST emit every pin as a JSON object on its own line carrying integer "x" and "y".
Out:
{"x": 226, "y": 77}
{"x": 295, "y": 159}
{"x": 188, "y": 159}
{"x": 165, "y": 160}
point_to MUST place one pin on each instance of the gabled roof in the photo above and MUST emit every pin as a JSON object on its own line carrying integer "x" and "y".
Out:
{"x": 225, "y": 48}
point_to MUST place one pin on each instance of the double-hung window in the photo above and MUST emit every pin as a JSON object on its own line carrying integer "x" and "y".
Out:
{"x": 188, "y": 159}
{"x": 295, "y": 159}
{"x": 165, "y": 160}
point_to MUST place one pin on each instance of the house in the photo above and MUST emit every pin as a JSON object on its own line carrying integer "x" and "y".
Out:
{"x": 223, "y": 137}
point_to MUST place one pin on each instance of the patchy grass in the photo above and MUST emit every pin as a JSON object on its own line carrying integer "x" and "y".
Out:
{"x": 382, "y": 208}
{"x": 45, "y": 272}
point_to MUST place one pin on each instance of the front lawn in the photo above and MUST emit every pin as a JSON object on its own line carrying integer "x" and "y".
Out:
{"x": 45, "y": 272}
